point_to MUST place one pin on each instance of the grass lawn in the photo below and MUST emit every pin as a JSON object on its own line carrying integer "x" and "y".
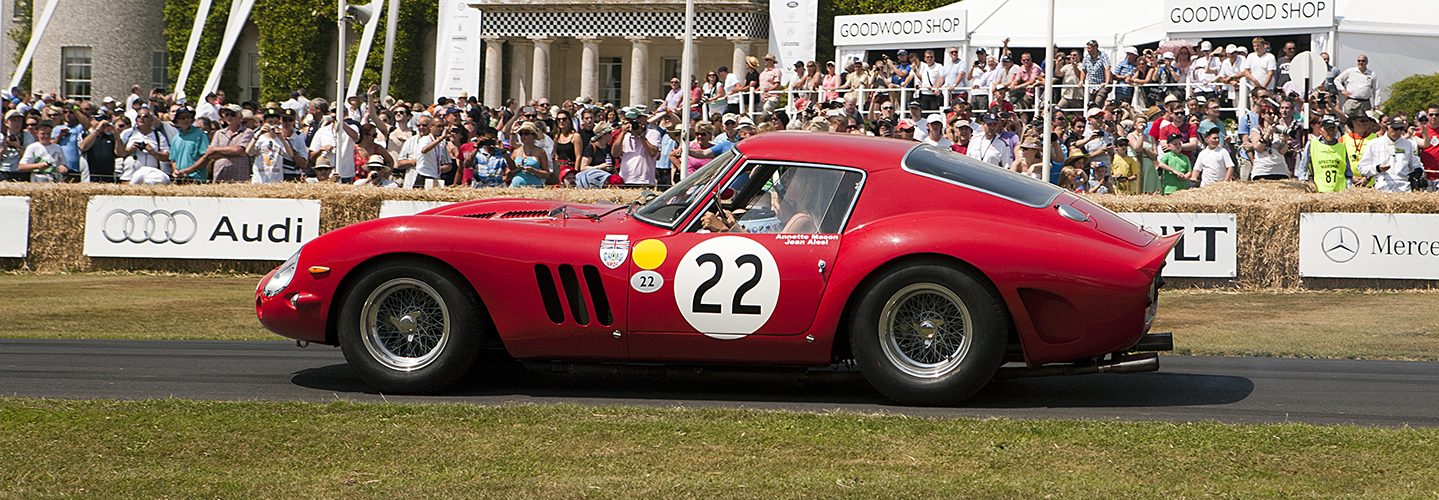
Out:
{"x": 173, "y": 448}
{"x": 1325, "y": 324}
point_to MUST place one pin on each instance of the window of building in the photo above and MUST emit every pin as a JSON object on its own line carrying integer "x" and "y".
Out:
{"x": 669, "y": 68}
{"x": 611, "y": 76}
{"x": 16, "y": 7}
{"x": 253, "y": 82}
{"x": 160, "y": 69}
{"x": 75, "y": 64}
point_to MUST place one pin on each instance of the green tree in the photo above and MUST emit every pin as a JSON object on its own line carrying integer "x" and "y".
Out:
{"x": 828, "y": 9}
{"x": 1412, "y": 95}
{"x": 179, "y": 18}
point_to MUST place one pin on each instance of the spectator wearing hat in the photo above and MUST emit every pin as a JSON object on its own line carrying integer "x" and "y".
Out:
{"x": 1073, "y": 175}
{"x": 1176, "y": 174}
{"x": 1391, "y": 158}
{"x": 296, "y": 165}
{"x": 993, "y": 144}
{"x": 230, "y": 161}
{"x": 1325, "y": 159}
{"x": 188, "y": 149}
{"x": 1071, "y": 79}
{"x": 961, "y": 132}
{"x": 97, "y": 149}
{"x": 268, "y": 148}
{"x": 531, "y": 163}
{"x": 1362, "y": 129}
{"x": 638, "y": 150}
{"x": 934, "y": 133}
{"x": 1232, "y": 69}
{"x": 915, "y": 116}
{"x": 324, "y": 171}
{"x": 492, "y": 163}
{"x": 17, "y": 139}
{"x": 1125, "y": 167}
{"x": 379, "y": 174}
{"x": 769, "y": 79}
{"x": 1123, "y": 72}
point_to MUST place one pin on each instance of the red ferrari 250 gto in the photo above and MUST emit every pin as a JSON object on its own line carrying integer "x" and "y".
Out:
{"x": 926, "y": 269}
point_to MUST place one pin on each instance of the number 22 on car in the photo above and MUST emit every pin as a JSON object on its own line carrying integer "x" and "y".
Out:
{"x": 728, "y": 291}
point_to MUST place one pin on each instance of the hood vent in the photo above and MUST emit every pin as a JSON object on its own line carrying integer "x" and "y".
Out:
{"x": 481, "y": 215}
{"x": 525, "y": 214}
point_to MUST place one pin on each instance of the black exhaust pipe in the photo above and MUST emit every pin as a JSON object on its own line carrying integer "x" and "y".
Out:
{"x": 1131, "y": 363}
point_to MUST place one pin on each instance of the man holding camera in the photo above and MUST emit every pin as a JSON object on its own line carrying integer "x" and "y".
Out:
{"x": 269, "y": 148}
{"x": 491, "y": 162}
{"x": 1390, "y": 158}
{"x": 638, "y": 150}
{"x": 1428, "y": 139}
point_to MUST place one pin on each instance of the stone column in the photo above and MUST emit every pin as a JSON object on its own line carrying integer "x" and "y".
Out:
{"x": 494, "y": 71}
{"x": 520, "y": 72}
{"x": 639, "y": 70}
{"x": 742, "y": 46}
{"x": 540, "y": 67}
{"x": 590, "y": 68}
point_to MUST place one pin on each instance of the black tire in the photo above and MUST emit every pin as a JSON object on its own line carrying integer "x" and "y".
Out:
{"x": 954, "y": 381}
{"x": 447, "y": 361}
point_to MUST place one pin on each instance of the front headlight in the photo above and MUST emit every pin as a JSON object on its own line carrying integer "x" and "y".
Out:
{"x": 282, "y": 276}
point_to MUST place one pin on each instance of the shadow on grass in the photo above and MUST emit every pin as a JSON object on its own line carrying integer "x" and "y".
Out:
{"x": 610, "y": 385}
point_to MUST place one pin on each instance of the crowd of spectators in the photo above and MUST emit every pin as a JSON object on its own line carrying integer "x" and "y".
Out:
{"x": 1154, "y": 122}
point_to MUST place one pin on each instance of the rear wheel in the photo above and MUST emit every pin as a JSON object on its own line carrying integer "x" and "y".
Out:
{"x": 410, "y": 328}
{"x": 929, "y": 335}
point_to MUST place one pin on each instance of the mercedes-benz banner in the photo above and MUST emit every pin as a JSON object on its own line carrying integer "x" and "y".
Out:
{"x": 1208, "y": 248}
{"x": 14, "y": 226}
{"x": 1354, "y": 245}
{"x": 177, "y": 227}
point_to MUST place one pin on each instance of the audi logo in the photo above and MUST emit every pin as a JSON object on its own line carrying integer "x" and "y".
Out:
{"x": 154, "y": 226}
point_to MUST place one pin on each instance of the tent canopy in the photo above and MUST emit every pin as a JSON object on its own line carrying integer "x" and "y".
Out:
{"x": 1076, "y": 22}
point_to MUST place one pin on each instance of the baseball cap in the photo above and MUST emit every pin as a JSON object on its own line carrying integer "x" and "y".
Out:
{"x": 904, "y": 124}
{"x": 914, "y": 104}
{"x": 1329, "y": 122}
{"x": 631, "y": 114}
{"x": 602, "y": 128}
{"x": 1174, "y": 137}
{"x": 1205, "y": 45}
{"x": 272, "y": 113}
{"x": 13, "y": 113}
{"x": 935, "y": 118}
{"x": 989, "y": 117}
{"x": 902, "y": 52}
{"x": 1092, "y": 112}
{"x": 1398, "y": 122}
{"x": 1240, "y": 49}
{"x": 1230, "y": 48}
{"x": 729, "y": 117}
{"x": 1169, "y": 55}
{"x": 1005, "y": 59}
{"x": 1131, "y": 50}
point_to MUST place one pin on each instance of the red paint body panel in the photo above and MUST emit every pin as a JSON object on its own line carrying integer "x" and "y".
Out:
{"x": 1073, "y": 289}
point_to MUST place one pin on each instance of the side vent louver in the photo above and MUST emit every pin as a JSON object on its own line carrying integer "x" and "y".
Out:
{"x": 598, "y": 297}
{"x": 481, "y": 215}
{"x": 576, "y": 300}
{"x": 548, "y": 294}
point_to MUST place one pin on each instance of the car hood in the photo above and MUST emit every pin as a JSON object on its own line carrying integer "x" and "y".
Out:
{"x": 530, "y": 211}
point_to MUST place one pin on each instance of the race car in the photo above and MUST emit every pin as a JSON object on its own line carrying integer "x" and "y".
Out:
{"x": 925, "y": 269}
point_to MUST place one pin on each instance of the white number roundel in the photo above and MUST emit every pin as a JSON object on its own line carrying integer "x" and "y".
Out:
{"x": 727, "y": 287}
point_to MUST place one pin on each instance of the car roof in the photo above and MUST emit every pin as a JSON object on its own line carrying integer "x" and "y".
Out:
{"x": 871, "y": 154}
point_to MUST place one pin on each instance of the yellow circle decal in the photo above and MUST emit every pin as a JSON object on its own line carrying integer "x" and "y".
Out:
{"x": 649, "y": 254}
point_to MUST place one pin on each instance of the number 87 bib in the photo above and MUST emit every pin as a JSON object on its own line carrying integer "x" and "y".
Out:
{"x": 727, "y": 287}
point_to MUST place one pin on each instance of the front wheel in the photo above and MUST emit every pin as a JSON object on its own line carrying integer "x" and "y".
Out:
{"x": 409, "y": 328}
{"x": 929, "y": 335}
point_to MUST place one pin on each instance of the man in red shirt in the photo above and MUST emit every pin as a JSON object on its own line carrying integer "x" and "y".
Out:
{"x": 1428, "y": 141}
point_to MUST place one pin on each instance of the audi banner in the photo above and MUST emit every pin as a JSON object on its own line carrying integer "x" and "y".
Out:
{"x": 14, "y": 226}
{"x": 1354, "y": 245}
{"x": 199, "y": 228}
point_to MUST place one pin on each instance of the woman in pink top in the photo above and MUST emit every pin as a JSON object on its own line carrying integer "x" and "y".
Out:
{"x": 830, "y": 82}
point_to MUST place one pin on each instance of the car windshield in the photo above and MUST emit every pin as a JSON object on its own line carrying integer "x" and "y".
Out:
{"x": 669, "y": 208}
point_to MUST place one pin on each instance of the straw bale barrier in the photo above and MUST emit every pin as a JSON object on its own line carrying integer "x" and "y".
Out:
{"x": 1267, "y": 219}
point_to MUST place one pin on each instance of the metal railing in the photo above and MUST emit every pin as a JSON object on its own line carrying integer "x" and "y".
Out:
{"x": 756, "y": 104}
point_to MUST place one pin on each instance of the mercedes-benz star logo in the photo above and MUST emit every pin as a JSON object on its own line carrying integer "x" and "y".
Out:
{"x": 1340, "y": 244}
{"x": 154, "y": 226}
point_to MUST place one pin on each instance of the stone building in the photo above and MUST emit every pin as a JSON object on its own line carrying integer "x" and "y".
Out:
{"x": 611, "y": 50}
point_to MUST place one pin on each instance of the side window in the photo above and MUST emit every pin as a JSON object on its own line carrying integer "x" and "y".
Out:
{"x": 800, "y": 200}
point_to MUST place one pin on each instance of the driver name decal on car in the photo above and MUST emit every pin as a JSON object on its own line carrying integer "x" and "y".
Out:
{"x": 727, "y": 287}
{"x": 614, "y": 249}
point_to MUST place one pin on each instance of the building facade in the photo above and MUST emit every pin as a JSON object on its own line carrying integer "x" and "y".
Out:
{"x": 98, "y": 49}
{"x": 623, "y": 52}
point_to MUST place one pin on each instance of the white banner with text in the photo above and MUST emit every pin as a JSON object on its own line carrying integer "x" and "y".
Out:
{"x": 792, "y": 30}
{"x": 901, "y": 30}
{"x": 1354, "y": 245}
{"x": 1202, "y": 16}
{"x": 14, "y": 226}
{"x": 1208, "y": 249}
{"x": 177, "y": 227}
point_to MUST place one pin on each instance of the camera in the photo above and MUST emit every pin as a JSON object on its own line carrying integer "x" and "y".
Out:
{"x": 636, "y": 126}
{"x": 487, "y": 143}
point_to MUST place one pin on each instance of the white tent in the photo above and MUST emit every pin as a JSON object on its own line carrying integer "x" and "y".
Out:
{"x": 1112, "y": 23}
{"x": 1399, "y": 36}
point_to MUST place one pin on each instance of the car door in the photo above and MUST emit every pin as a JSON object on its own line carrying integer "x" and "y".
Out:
{"x": 698, "y": 295}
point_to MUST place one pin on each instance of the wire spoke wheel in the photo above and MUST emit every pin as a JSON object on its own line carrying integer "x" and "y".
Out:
{"x": 925, "y": 330}
{"x": 404, "y": 324}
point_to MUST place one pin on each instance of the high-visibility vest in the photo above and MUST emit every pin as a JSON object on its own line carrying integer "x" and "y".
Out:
{"x": 1328, "y": 163}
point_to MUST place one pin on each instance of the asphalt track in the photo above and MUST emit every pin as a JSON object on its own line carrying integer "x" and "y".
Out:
{"x": 1381, "y": 393}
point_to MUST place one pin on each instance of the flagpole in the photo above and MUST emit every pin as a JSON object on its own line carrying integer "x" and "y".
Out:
{"x": 1047, "y": 102}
